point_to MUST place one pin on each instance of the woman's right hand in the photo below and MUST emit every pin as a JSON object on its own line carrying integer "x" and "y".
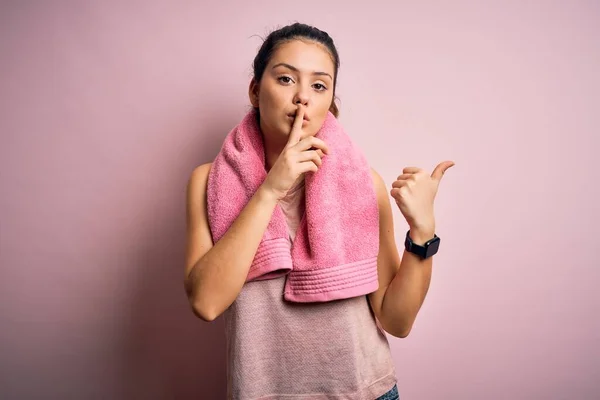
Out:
{"x": 298, "y": 156}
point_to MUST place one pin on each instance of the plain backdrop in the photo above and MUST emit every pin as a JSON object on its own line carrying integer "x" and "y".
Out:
{"x": 107, "y": 106}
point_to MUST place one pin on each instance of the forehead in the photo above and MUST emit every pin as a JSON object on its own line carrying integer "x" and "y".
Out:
{"x": 305, "y": 55}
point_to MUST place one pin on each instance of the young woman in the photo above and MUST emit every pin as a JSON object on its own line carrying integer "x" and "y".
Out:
{"x": 283, "y": 350}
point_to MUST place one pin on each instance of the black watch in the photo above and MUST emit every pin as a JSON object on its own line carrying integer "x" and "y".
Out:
{"x": 427, "y": 250}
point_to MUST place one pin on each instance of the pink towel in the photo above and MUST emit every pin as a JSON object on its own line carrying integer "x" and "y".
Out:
{"x": 334, "y": 253}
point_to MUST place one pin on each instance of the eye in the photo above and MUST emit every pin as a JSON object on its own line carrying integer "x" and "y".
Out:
{"x": 284, "y": 79}
{"x": 321, "y": 87}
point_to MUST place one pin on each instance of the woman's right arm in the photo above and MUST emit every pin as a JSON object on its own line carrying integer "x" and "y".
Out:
{"x": 216, "y": 273}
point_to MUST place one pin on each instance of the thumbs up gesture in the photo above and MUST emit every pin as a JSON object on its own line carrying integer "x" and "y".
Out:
{"x": 414, "y": 192}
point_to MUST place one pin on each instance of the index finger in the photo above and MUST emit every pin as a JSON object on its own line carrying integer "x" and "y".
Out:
{"x": 296, "y": 131}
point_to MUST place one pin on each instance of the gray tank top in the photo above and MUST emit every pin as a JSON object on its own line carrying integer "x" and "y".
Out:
{"x": 282, "y": 350}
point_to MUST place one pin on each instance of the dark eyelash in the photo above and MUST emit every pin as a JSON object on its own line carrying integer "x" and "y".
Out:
{"x": 287, "y": 77}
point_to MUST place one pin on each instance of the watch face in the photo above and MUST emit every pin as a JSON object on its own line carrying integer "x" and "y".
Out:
{"x": 433, "y": 247}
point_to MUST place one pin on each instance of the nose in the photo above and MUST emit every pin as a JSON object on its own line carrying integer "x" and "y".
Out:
{"x": 301, "y": 97}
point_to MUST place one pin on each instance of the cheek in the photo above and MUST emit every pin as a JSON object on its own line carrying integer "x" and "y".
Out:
{"x": 265, "y": 99}
{"x": 323, "y": 112}
{"x": 274, "y": 95}
{"x": 326, "y": 103}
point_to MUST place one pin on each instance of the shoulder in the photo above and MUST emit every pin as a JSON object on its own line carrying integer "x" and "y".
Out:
{"x": 379, "y": 185}
{"x": 196, "y": 186}
{"x": 383, "y": 194}
{"x": 200, "y": 172}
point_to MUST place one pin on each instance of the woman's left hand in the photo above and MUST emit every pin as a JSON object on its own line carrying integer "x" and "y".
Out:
{"x": 414, "y": 192}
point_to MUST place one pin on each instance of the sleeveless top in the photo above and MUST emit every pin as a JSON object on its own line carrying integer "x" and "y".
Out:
{"x": 282, "y": 350}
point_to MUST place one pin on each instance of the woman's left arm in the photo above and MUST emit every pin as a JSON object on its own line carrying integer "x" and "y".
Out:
{"x": 403, "y": 284}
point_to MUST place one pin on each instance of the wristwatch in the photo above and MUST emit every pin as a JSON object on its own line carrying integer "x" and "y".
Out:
{"x": 427, "y": 250}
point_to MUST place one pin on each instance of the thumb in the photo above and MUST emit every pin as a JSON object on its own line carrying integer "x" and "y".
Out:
{"x": 438, "y": 172}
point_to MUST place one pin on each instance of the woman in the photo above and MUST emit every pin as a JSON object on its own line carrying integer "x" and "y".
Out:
{"x": 279, "y": 349}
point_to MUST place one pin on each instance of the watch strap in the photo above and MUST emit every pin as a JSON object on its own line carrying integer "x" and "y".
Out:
{"x": 425, "y": 251}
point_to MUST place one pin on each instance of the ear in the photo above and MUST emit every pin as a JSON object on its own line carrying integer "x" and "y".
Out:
{"x": 253, "y": 92}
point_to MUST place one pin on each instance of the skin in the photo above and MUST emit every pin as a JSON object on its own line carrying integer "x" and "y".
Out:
{"x": 301, "y": 73}
{"x": 306, "y": 81}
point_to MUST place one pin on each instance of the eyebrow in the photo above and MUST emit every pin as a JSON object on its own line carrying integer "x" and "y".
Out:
{"x": 297, "y": 70}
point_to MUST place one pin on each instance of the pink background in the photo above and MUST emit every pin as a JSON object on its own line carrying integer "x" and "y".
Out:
{"x": 106, "y": 107}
